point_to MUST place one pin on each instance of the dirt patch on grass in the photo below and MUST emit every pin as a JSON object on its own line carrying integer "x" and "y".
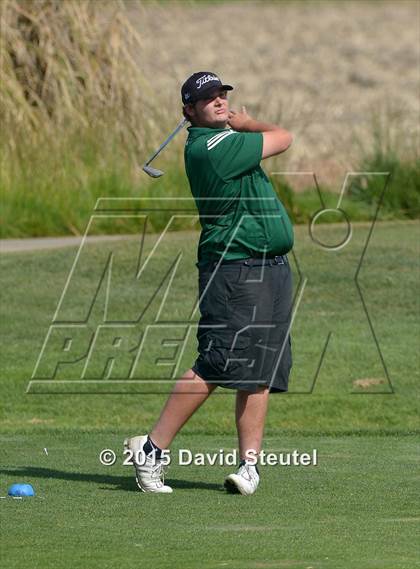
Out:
{"x": 368, "y": 382}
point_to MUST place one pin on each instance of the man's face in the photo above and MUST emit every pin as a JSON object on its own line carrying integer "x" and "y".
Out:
{"x": 212, "y": 112}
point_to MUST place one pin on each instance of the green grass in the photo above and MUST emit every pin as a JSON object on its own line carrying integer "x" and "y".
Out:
{"x": 60, "y": 203}
{"x": 388, "y": 279}
{"x": 355, "y": 510}
{"x": 401, "y": 160}
{"x": 71, "y": 176}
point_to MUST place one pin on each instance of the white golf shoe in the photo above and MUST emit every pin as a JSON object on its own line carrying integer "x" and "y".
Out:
{"x": 245, "y": 481}
{"x": 149, "y": 470}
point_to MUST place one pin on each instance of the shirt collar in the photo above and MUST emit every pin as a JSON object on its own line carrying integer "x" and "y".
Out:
{"x": 196, "y": 131}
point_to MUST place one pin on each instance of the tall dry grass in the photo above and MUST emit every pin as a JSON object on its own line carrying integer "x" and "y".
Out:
{"x": 70, "y": 65}
{"x": 76, "y": 111}
{"x": 89, "y": 87}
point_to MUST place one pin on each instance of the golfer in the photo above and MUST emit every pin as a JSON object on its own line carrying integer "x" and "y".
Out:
{"x": 245, "y": 284}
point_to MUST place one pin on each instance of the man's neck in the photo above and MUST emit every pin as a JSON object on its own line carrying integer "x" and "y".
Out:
{"x": 213, "y": 125}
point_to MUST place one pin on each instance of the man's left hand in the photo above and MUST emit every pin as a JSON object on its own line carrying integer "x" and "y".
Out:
{"x": 239, "y": 121}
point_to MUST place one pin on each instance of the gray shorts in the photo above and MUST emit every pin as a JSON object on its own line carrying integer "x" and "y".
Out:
{"x": 243, "y": 334}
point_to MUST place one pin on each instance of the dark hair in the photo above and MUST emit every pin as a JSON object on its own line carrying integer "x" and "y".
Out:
{"x": 186, "y": 115}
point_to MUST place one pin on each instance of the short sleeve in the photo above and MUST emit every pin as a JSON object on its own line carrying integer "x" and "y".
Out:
{"x": 233, "y": 153}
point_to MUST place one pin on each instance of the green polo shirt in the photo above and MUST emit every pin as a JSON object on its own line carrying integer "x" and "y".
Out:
{"x": 240, "y": 213}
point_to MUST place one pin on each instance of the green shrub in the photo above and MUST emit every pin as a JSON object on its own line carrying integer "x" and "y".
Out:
{"x": 400, "y": 195}
{"x": 396, "y": 154}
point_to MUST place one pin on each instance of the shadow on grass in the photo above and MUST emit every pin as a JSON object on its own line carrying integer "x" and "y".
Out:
{"x": 120, "y": 482}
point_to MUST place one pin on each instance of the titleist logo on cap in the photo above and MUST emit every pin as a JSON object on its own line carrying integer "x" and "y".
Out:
{"x": 205, "y": 79}
{"x": 201, "y": 85}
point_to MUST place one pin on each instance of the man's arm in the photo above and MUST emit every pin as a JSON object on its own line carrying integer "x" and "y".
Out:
{"x": 275, "y": 139}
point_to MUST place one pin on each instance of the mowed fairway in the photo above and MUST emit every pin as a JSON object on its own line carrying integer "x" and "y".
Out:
{"x": 357, "y": 509}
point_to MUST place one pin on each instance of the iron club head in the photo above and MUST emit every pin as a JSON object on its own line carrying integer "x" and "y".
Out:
{"x": 153, "y": 172}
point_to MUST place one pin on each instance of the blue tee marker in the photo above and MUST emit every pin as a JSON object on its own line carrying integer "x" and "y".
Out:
{"x": 21, "y": 490}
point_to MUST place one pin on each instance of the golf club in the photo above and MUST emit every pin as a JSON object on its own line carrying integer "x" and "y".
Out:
{"x": 153, "y": 172}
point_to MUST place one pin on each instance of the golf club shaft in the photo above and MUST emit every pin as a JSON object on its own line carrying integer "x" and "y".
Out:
{"x": 170, "y": 137}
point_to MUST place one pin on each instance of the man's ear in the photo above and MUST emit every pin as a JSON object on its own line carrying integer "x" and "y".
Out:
{"x": 186, "y": 111}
